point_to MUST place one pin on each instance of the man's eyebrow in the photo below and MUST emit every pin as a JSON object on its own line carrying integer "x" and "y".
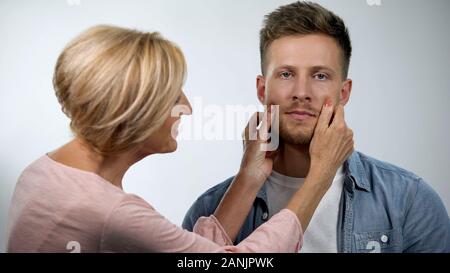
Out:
{"x": 323, "y": 67}
{"x": 286, "y": 66}
{"x": 313, "y": 68}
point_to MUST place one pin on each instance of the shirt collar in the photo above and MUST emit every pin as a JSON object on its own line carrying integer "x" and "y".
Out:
{"x": 355, "y": 169}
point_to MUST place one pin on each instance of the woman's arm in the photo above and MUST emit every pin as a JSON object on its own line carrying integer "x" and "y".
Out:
{"x": 135, "y": 226}
{"x": 256, "y": 166}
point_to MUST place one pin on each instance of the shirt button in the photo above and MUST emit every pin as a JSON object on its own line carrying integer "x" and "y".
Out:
{"x": 384, "y": 239}
{"x": 265, "y": 216}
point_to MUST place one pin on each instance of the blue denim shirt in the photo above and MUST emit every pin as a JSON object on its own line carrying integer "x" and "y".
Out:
{"x": 383, "y": 208}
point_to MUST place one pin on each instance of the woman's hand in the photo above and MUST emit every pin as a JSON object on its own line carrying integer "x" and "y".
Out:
{"x": 332, "y": 143}
{"x": 256, "y": 166}
{"x": 257, "y": 163}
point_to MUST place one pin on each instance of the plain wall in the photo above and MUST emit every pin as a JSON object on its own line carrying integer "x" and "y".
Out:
{"x": 399, "y": 107}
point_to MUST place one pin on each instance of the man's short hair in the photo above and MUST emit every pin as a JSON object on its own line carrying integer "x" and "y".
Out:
{"x": 302, "y": 18}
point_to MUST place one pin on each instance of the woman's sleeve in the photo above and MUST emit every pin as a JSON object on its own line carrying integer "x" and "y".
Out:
{"x": 135, "y": 226}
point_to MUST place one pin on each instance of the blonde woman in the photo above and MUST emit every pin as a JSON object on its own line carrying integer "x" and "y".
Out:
{"x": 119, "y": 87}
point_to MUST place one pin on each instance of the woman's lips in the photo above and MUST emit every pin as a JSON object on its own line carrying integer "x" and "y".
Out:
{"x": 174, "y": 132}
{"x": 300, "y": 115}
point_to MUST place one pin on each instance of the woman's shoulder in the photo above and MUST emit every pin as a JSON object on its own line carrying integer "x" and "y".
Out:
{"x": 37, "y": 167}
{"x": 47, "y": 172}
{"x": 54, "y": 201}
{"x": 65, "y": 189}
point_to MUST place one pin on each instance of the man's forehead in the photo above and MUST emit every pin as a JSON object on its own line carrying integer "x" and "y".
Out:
{"x": 305, "y": 50}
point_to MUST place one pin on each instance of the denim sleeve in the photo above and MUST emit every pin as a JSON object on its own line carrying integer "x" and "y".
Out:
{"x": 206, "y": 204}
{"x": 196, "y": 211}
{"x": 427, "y": 225}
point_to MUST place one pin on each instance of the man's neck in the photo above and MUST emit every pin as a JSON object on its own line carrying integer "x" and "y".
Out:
{"x": 293, "y": 160}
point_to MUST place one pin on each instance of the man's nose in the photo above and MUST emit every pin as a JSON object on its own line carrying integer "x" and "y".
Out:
{"x": 301, "y": 90}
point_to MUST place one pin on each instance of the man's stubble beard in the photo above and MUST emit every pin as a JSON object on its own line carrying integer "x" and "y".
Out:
{"x": 296, "y": 137}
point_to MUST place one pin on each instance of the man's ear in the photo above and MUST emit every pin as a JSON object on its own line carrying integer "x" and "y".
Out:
{"x": 261, "y": 89}
{"x": 345, "y": 92}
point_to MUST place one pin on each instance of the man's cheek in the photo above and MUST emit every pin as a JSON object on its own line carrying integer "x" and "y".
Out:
{"x": 272, "y": 100}
{"x": 328, "y": 99}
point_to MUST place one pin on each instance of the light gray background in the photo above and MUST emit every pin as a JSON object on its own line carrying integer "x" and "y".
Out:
{"x": 399, "y": 107}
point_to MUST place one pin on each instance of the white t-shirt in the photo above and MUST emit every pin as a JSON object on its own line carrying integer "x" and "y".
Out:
{"x": 320, "y": 236}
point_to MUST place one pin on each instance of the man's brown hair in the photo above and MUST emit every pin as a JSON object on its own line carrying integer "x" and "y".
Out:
{"x": 302, "y": 18}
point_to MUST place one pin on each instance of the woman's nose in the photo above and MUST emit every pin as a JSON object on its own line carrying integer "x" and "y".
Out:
{"x": 188, "y": 110}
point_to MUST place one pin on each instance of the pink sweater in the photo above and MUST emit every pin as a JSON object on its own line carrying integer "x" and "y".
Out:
{"x": 56, "y": 208}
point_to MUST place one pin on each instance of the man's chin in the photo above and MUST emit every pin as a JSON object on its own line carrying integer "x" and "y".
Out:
{"x": 296, "y": 139}
{"x": 296, "y": 134}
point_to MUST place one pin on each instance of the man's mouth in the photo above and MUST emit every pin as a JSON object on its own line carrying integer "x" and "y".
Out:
{"x": 300, "y": 114}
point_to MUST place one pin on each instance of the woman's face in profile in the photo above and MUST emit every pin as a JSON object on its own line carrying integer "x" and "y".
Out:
{"x": 164, "y": 140}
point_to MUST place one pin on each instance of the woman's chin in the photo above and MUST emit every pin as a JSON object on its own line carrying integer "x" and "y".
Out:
{"x": 170, "y": 148}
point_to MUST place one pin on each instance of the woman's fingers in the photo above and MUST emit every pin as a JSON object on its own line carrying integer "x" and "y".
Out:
{"x": 265, "y": 125}
{"x": 324, "y": 117}
{"x": 339, "y": 117}
{"x": 256, "y": 161}
{"x": 252, "y": 132}
{"x": 250, "y": 129}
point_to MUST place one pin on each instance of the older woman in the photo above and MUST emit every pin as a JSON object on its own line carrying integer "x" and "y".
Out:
{"x": 119, "y": 88}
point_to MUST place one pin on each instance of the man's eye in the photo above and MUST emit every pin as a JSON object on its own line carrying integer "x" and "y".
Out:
{"x": 285, "y": 75}
{"x": 321, "y": 76}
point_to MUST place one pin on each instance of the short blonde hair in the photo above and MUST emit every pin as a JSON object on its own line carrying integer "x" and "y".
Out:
{"x": 118, "y": 85}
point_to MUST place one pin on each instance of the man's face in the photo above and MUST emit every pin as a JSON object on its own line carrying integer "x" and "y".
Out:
{"x": 301, "y": 74}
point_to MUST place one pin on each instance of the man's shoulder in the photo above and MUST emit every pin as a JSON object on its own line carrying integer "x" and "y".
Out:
{"x": 397, "y": 183}
{"x": 206, "y": 203}
{"x": 379, "y": 171}
{"x": 385, "y": 166}
{"x": 218, "y": 190}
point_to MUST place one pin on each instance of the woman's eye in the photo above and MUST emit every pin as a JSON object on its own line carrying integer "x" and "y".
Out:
{"x": 178, "y": 100}
{"x": 285, "y": 75}
{"x": 320, "y": 76}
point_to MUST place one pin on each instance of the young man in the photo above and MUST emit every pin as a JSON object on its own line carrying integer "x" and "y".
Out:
{"x": 371, "y": 206}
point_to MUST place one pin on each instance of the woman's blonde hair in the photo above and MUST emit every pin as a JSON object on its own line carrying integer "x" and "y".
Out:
{"x": 118, "y": 85}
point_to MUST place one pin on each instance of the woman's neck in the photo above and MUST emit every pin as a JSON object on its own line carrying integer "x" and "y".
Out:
{"x": 79, "y": 155}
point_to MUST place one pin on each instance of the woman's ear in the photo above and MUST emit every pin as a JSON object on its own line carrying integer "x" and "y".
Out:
{"x": 261, "y": 89}
{"x": 345, "y": 92}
